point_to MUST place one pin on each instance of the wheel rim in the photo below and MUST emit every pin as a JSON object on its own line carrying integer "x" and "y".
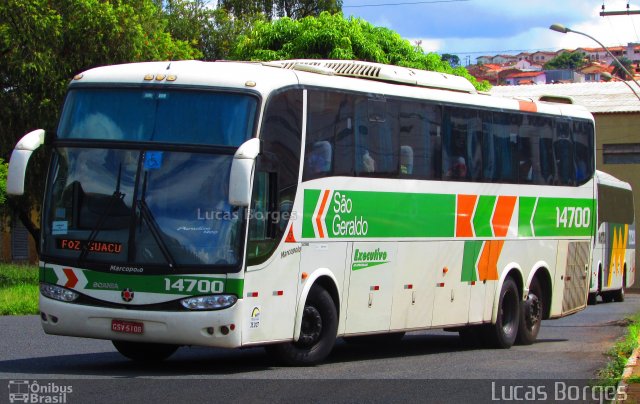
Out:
{"x": 533, "y": 311}
{"x": 311, "y": 327}
{"x": 508, "y": 313}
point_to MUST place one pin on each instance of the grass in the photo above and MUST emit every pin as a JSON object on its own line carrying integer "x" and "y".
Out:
{"x": 18, "y": 289}
{"x": 611, "y": 374}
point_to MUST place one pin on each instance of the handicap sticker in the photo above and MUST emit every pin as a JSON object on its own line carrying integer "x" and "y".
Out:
{"x": 152, "y": 160}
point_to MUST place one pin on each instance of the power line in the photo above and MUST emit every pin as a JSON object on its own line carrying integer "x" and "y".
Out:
{"x": 403, "y": 3}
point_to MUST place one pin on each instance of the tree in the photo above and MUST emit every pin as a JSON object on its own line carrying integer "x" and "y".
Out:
{"x": 334, "y": 37}
{"x": 453, "y": 60}
{"x": 43, "y": 43}
{"x": 280, "y": 8}
{"x": 619, "y": 68}
{"x": 567, "y": 60}
{"x": 4, "y": 168}
{"x": 212, "y": 31}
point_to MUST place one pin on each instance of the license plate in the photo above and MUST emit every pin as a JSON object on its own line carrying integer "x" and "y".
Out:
{"x": 127, "y": 327}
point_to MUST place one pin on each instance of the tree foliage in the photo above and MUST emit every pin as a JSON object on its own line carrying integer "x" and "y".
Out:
{"x": 619, "y": 68}
{"x": 295, "y": 9}
{"x": 3, "y": 181}
{"x": 567, "y": 60}
{"x": 211, "y": 31}
{"x": 453, "y": 60}
{"x": 335, "y": 37}
{"x": 43, "y": 43}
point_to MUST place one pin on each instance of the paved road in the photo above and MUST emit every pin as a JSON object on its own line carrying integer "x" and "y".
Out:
{"x": 430, "y": 364}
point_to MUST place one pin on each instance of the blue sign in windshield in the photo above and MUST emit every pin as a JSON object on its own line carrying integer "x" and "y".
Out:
{"x": 163, "y": 116}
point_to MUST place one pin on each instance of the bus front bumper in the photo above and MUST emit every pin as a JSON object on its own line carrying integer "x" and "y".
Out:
{"x": 219, "y": 328}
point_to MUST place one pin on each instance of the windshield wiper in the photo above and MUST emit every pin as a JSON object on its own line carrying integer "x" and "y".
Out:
{"x": 147, "y": 216}
{"x": 116, "y": 196}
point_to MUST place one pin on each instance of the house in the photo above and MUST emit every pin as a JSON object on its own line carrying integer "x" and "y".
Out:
{"x": 542, "y": 57}
{"x": 593, "y": 72}
{"x": 488, "y": 72}
{"x": 526, "y": 64}
{"x": 523, "y": 78}
{"x": 616, "y": 110}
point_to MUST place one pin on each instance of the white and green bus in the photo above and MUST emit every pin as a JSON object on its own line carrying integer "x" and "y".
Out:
{"x": 289, "y": 203}
{"x": 614, "y": 248}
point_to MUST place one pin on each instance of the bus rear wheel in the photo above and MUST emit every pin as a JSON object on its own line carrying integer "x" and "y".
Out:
{"x": 145, "y": 351}
{"x": 317, "y": 332}
{"x": 531, "y": 315}
{"x": 618, "y": 295}
{"x": 503, "y": 333}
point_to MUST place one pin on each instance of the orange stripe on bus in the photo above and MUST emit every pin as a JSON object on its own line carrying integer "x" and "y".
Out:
{"x": 488, "y": 262}
{"x": 320, "y": 211}
{"x": 528, "y": 106}
{"x": 502, "y": 215}
{"x": 466, "y": 203}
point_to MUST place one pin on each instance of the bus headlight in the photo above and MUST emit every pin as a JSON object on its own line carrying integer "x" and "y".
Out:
{"x": 56, "y": 292}
{"x": 214, "y": 302}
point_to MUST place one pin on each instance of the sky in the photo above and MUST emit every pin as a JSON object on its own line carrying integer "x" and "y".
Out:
{"x": 474, "y": 28}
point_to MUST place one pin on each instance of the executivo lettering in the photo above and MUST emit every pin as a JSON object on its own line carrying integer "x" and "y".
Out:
{"x": 367, "y": 259}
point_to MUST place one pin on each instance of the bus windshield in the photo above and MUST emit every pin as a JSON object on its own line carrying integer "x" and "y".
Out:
{"x": 153, "y": 115}
{"x": 141, "y": 208}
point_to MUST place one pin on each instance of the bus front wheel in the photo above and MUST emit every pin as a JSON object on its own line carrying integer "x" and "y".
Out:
{"x": 503, "y": 333}
{"x": 317, "y": 332}
{"x": 145, "y": 351}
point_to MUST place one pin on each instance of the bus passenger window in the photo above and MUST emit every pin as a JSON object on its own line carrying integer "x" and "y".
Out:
{"x": 563, "y": 151}
{"x": 406, "y": 160}
{"x": 583, "y": 143}
{"x": 318, "y": 160}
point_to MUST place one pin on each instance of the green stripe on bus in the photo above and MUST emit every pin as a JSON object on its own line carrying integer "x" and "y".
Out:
{"x": 525, "y": 208}
{"x": 469, "y": 258}
{"x": 387, "y": 214}
{"x": 482, "y": 216}
{"x": 311, "y": 197}
{"x": 167, "y": 284}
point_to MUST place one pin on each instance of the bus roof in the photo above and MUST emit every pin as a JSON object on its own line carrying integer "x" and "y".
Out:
{"x": 264, "y": 77}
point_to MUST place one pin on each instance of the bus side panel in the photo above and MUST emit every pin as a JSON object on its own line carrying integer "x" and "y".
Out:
{"x": 333, "y": 257}
{"x": 452, "y": 290}
{"x": 413, "y": 286}
{"x": 270, "y": 296}
{"x": 371, "y": 286}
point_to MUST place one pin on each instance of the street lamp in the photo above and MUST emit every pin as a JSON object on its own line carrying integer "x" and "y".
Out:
{"x": 608, "y": 77}
{"x": 562, "y": 29}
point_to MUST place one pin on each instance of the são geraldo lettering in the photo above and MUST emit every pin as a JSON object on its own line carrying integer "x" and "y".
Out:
{"x": 356, "y": 226}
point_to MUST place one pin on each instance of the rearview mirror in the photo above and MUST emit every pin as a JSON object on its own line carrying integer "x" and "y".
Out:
{"x": 19, "y": 159}
{"x": 241, "y": 176}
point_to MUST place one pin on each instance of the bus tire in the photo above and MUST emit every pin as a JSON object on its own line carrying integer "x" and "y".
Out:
{"x": 592, "y": 299}
{"x": 145, "y": 351}
{"x": 317, "y": 334}
{"x": 531, "y": 311}
{"x": 503, "y": 333}
{"x": 618, "y": 295}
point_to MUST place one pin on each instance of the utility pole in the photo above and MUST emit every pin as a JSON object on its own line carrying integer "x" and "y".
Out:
{"x": 627, "y": 12}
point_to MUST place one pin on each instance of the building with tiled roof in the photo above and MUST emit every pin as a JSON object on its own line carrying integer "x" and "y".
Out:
{"x": 522, "y": 78}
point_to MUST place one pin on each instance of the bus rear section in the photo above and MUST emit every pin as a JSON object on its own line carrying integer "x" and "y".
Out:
{"x": 613, "y": 263}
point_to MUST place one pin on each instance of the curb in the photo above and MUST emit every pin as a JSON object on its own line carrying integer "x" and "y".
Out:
{"x": 632, "y": 362}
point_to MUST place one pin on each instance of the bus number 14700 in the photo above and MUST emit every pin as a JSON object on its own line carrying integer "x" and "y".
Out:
{"x": 191, "y": 285}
